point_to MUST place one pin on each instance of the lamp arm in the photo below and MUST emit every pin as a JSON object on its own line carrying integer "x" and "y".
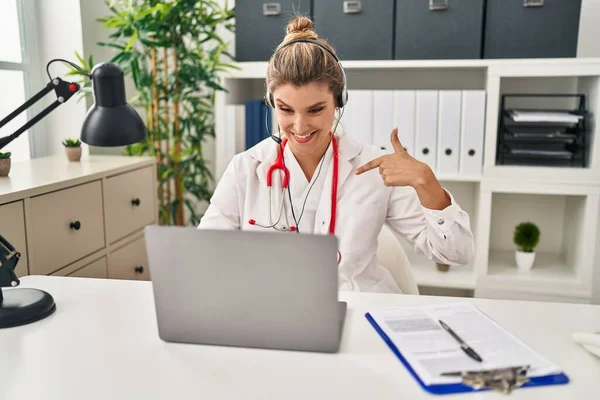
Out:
{"x": 64, "y": 91}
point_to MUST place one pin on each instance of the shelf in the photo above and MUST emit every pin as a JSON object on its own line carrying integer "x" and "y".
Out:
{"x": 257, "y": 69}
{"x": 426, "y": 274}
{"x": 548, "y": 267}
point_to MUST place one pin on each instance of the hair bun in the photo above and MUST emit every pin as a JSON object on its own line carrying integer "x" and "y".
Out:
{"x": 301, "y": 25}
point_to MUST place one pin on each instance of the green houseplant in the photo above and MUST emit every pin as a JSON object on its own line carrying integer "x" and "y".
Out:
{"x": 72, "y": 149}
{"x": 526, "y": 237}
{"x": 4, "y": 163}
{"x": 173, "y": 53}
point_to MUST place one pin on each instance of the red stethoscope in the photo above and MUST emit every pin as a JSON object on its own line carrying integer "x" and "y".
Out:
{"x": 280, "y": 165}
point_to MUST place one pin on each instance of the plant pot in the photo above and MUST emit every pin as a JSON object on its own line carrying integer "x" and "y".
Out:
{"x": 4, "y": 166}
{"x": 442, "y": 267}
{"x": 73, "y": 153}
{"x": 524, "y": 260}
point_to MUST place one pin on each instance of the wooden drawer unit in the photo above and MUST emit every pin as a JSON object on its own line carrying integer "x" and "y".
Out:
{"x": 130, "y": 261}
{"x": 129, "y": 202}
{"x": 67, "y": 225}
{"x": 96, "y": 269}
{"x": 12, "y": 228}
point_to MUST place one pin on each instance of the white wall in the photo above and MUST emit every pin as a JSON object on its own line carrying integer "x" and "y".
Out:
{"x": 58, "y": 39}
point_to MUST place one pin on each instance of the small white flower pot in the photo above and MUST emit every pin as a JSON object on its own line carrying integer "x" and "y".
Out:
{"x": 524, "y": 260}
{"x": 73, "y": 153}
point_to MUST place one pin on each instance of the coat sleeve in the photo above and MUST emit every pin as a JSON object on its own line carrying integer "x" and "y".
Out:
{"x": 224, "y": 209}
{"x": 442, "y": 235}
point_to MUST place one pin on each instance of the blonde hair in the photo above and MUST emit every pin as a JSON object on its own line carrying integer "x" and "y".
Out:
{"x": 302, "y": 63}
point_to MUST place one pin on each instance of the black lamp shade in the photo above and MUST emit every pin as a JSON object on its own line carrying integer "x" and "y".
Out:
{"x": 111, "y": 121}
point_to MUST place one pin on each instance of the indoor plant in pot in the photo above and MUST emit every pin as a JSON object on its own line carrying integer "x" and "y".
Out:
{"x": 73, "y": 149}
{"x": 4, "y": 163}
{"x": 526, "y": 237}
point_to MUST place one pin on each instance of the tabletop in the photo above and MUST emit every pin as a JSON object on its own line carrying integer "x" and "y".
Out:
{"x": 102, "y": 343}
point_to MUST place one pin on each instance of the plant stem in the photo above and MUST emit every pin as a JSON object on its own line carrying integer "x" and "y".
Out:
{"x": 155, "y": 111}
{"x": 168, "y": 125}
{"x": 177, "y": 140}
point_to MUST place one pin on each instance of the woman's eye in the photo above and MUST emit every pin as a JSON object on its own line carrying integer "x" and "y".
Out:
{"x": 286, "y": 110}
{"x": 316, "y": 110}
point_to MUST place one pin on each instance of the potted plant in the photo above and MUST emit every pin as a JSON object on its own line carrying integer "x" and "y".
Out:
{"x": 4, "y": 163}
{"x": 526, "y": 237}
{"x": 175, "y": 53}
{"x": 73, "y": 149}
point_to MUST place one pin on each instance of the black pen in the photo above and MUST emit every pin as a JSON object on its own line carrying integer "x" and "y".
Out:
{"x": 466, "y": 348}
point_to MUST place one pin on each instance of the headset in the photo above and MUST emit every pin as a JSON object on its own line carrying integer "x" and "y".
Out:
{"x": 342, "y": 98}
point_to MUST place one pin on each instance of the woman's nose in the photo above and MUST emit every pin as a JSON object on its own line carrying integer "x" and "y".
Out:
{"x": 300, "y": 125}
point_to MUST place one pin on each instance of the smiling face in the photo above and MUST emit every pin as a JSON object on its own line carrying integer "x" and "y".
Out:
{"x": 305, "y": 115}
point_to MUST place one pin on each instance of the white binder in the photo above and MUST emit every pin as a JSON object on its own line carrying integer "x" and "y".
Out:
{"x": 426, "y": 127}
{"x": 383, "y": 119}
{"x": 357, "y": 119}
{"x": 472, "y": 132}
{"x": 449, "y": 116}
{"x": 404, "y": 118}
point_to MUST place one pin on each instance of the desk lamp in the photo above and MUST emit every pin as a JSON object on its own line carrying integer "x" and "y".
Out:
{"x": 109, "y": 122}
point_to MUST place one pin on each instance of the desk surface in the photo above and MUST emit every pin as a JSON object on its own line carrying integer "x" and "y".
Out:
{"x": 102, "y": 343}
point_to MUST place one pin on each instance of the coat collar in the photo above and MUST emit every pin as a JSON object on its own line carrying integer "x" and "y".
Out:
{"x": 265, "y": 153}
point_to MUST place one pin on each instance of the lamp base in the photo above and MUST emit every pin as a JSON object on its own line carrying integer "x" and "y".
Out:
{"x": 24, "y": 306}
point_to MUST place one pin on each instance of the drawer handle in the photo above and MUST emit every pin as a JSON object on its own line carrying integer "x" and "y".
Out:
{"x": 139, "y": 269}
{"x": 135, "y": 202}
{"x": 75, "y": 225}
{"x": 448, "y": 152}
{"x": 425, "y": 151}
{"x": 533, "y": 3}
{"x": 471, "y": 152}
{"x": 438, "y": 5}
{"x": 271, "y": 9}
{"x": 352, "y": 7}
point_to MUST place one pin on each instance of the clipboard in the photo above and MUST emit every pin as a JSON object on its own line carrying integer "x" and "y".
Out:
{"x": 453, "y": 388}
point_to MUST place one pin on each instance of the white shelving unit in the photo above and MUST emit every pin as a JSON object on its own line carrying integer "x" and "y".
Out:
{"x": 564, "y": 202}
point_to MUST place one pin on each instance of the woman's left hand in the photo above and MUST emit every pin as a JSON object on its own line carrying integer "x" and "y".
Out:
{"x": 402, "y": 169}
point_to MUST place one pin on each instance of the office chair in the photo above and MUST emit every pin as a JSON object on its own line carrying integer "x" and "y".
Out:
{"x": 392, "y": 256}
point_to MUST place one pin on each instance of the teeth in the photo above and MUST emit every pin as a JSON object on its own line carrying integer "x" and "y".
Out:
{"x": 303, "y": 136}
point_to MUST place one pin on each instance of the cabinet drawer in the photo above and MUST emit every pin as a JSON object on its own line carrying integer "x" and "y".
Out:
{"x": 12, "y": 228}
{"x": 96, "y": 269}
{"x": 439, "y": 29}
{"x": 514, "y": 30}
{"x": 67, "y": 225}
{"x": 260, "y": 26}
{"x": 130, "y": 262}
{"x": 129, "y": 202}
{"x": 357, "y": 30}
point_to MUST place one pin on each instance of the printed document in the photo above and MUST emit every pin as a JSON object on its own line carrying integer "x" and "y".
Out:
{"x": 430, "y": 350}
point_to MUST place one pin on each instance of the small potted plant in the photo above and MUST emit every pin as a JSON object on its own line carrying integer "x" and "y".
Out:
{"x": 4, "y": 164}
{"x": 73, "y": 149}
{"x": 526, "y": 237}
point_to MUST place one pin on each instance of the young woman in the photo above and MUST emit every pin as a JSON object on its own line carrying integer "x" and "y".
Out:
{"x": 310, "y": 178}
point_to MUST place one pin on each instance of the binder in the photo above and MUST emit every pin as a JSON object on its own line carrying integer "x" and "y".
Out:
{"x": 426, "y": 127}
{"x": 472, "y": 132}
{"x": 453, "y": 388}
{"x": 449, "y": 116}
{"x": 383, "y": 119}
{"x": 404, "y": 118}
{"x": 357, "y": 117}
{"x": 256, "y": 119}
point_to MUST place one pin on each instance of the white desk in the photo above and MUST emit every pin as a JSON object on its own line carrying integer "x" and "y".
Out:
{"x": 102, "y": 343}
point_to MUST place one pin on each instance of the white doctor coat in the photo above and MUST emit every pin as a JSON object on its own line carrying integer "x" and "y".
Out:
{"x": 364, "y": 204}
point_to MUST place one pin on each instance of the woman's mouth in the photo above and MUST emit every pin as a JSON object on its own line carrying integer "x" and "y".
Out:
{"x": 303, "y": 138}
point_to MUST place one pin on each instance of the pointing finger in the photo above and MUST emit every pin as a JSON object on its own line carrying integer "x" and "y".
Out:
{"x": 368, "y": 166}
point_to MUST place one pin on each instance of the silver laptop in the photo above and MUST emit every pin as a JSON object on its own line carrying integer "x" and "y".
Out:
{"x": 241, "y": 288}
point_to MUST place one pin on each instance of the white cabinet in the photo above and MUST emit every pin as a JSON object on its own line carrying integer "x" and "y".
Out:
{"x": 82, "y": 219}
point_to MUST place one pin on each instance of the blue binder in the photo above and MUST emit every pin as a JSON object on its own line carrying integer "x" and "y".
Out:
{"x": 558, "y": 379}
{"x": 257, "y": 119}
